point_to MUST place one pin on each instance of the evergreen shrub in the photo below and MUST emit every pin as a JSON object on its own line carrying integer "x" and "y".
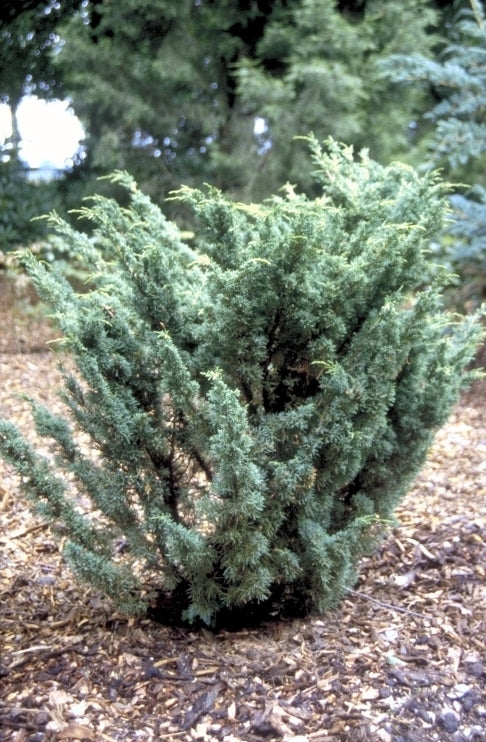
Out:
{"x": 257, "y": 403}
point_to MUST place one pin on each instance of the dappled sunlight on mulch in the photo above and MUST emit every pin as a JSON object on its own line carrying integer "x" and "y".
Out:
{"x": 402, "y": 660}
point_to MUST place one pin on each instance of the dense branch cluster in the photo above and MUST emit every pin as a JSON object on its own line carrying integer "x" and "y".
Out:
{"x": 257, "y": 398}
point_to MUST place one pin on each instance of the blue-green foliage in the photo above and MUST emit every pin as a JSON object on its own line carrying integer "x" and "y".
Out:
{"x": 457, "y": 140}
{"x": 468, "y": 229}
{"x": 458, "y": 78}
{"x": 256, "y": 403}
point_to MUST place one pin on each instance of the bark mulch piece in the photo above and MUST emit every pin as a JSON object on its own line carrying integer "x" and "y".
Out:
{"x": 402, "y": 660}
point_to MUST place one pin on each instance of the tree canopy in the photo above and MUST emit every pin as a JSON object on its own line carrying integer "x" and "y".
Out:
{"x": 28, "y": 38}
{"x": 171, "y": 90}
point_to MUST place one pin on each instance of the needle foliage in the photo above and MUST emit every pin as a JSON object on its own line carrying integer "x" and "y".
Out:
{"x": 256, "y": 399}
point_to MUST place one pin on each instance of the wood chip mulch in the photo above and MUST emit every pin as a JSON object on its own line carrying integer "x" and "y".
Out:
{"x": 402, "y": 660}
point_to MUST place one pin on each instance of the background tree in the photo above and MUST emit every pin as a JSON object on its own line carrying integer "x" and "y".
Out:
{"x": 156, "y": 89}
{"x": 28, "y": 40}
{"x": 457, "y": 138}
{"x": 316, "y": 69}
{"x": 171, "y": 91}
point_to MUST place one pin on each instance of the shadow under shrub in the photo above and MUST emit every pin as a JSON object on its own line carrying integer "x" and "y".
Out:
{"x": 258, "y": 402}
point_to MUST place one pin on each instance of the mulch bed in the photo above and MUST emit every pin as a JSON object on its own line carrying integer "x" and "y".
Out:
{"x": 403, "y": 659}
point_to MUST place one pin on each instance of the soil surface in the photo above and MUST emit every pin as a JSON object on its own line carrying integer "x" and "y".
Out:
{"x": 402, "y": 660}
